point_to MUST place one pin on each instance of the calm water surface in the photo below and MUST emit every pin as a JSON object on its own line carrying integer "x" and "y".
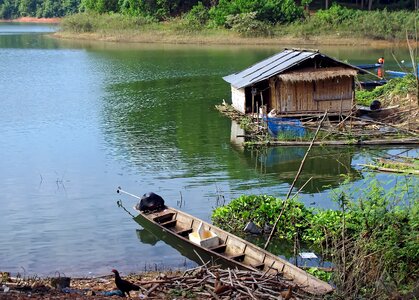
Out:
{"x": 79, "y": 120}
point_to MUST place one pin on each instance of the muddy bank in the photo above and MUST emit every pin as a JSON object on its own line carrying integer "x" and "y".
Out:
{"x": 33, "y": 20}
{"x": 163, "y": 37}
{"x": 204, "y": 282}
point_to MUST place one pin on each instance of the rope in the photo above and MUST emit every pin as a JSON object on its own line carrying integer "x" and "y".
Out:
{"x": 119, "y": 203}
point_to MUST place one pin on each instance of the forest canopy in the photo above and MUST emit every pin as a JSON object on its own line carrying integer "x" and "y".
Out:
{"x": 268, "y": 11}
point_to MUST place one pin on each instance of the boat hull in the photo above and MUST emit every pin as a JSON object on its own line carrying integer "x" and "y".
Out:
{"x": 175, "y": 226}
{"x": 376, "y": 113}
{"x": 370, "y": 66}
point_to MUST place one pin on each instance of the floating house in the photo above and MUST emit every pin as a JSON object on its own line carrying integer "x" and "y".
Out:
{"x": 295, "y": 83}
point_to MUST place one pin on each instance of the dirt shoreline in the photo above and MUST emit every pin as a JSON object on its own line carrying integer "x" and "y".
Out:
{"x": 160, "y": 37}
{"x": 202, "y": 282}
{"x": 32, "y": 20}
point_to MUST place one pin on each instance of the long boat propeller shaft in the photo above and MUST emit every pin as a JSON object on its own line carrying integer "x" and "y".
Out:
{"x": 120, "y": 190}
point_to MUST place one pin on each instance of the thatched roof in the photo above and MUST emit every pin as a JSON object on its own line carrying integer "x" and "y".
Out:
{"x": 311, "y": 74}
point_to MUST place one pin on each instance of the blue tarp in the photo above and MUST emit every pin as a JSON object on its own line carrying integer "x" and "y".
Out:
{"x": 286, "y": 126}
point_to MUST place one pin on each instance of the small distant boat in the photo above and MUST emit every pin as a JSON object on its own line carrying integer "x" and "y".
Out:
{"x": 372, "y": 83}
{"x": 369, "y": 66}
{"x": 400, "y": 73}
{"x": 376, "y": 113}
{"x": 226, "y": 248}
{"x": 396, "y": 73}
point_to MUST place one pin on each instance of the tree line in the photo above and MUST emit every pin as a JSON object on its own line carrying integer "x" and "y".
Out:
{"x": 271, "y": 11}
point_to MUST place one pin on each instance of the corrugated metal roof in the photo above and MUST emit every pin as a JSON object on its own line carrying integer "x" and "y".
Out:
{"x": 273, "y": 65}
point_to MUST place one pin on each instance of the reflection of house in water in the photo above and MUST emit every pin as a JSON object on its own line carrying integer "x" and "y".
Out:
{"x": 237, "y": 136}
{"x": 328, "y": 166}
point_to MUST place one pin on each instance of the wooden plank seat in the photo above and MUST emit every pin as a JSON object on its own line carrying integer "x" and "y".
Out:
{"x": 184, "y": 232}
{"x": 168, "y": 224}
{"x": 219, "y": 249}
{"x": 164, "y": 218}
{"x": 259, "y": 266}
{"x": 238, "y": 257}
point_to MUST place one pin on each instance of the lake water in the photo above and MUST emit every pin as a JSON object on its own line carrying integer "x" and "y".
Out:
{"x": 77, "y": 120}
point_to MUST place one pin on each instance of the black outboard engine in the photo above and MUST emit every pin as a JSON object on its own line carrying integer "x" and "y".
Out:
{"x": 375, "y": 105}
{"x": 150, "y": 202}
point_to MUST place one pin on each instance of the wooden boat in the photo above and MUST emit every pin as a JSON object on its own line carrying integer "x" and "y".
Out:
{"x": 398, "y": 74}
{"x": 227, "y": 249}
{"x": 376, "y": 113}
{"x": 369, "y": 66}
{"x": 372, "y": 83}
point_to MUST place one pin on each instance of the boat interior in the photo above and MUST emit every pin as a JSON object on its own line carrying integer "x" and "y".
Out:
{"x": 233, "y": 249}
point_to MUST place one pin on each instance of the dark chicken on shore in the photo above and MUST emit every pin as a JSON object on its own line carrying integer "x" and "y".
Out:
{"x": 124, "y": 285}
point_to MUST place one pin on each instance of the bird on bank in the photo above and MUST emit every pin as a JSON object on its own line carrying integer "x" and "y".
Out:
{"x": 124, "y": 285}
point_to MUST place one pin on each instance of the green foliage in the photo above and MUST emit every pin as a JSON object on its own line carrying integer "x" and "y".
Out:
{"x": 196, "y": 18}
{"x": 394, "y": 87}
{"x": 247, "y": 25}
{"x": 8, "y": 9}
{"x": 345, "y": 22}
{"x": 93, "y": 22}
{"x": 379, "y": 224}
{"x": 100, "y": 6}
{"x": 129, "y": 7}
{"x": 269, "y": 11}
{"x": 323, "y": 275}
{"x": 37, "y": 8}
{"x": 79, "y": 23}
{"x": 264, "y": 210}
{"x": 333, "y": 16}
{"x": 384, "y": 245}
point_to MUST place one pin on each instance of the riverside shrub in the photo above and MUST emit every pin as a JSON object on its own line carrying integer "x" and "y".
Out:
{"x": 375, "y": 233}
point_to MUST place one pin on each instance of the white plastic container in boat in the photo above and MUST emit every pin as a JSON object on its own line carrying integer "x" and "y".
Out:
{"x": 204, "y": 238}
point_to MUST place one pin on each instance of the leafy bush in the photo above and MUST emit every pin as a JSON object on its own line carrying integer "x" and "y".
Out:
{"x": 8, "y": 10}
{"x": 198, "y": 14}
{"x": 247, "y": 25}
{"x": 333, "y": 16}
{"x": 373, "y": 240}
{"x": 93, "y": 22}
{"x": 79, "y": 23}
{"x": 345, "y": 22}
{"x": 264, "y": 210}
{"x": 394, "y": 87}
{"x": 268, "y": 11}
{"x": 194, "y": 20}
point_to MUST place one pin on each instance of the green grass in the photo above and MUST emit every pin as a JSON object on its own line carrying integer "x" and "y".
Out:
{"x": 394, "y": 87}
{"x": 336, "y": 22}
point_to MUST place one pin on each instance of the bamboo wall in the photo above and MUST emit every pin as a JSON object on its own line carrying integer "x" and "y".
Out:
{"x": 334, "y": 95}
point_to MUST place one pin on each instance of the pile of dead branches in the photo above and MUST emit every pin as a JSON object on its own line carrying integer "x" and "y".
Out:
{"x": 198, "y": 283}
{"x": 215, "y": 283}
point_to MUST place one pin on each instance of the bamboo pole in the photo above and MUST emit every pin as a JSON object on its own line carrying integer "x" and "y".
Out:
{"x": 295, "y": 180}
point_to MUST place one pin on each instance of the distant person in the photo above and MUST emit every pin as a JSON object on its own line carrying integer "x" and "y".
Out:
{"x": 381, "y": 60}
{"x": 380, "y": 72}
{"x": 375, "y": 105}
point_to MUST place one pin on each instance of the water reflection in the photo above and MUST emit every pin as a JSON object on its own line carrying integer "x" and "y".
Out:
{"x": 150, "y": 235}
{"x": 328, "y": 167}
